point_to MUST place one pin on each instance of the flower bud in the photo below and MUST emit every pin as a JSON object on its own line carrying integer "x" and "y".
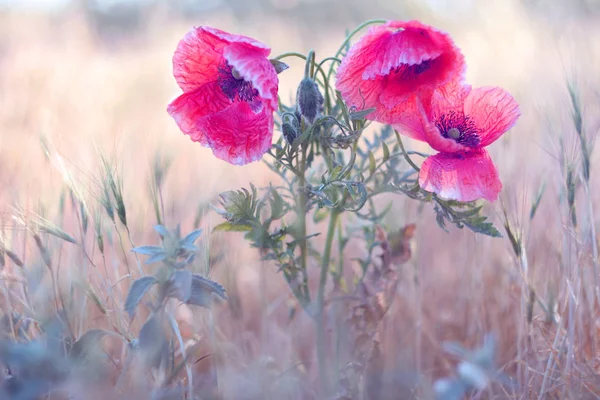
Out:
{"x": 290, "y": 130}
{"x": 309, "y": 99}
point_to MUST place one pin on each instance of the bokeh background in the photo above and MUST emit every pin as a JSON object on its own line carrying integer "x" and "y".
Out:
{"x": 85, "y": 78}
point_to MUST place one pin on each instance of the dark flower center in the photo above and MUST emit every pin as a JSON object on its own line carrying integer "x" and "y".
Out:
{"x": 458, "y": 127}
{"x": 411, "y": 71}
{"x": 234, "y": 86}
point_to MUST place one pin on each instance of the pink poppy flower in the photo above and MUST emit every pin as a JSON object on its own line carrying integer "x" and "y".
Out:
{"x": 394, "y": 64}
{"x": 229, "y": 93}
{"x": 460, "y": 123}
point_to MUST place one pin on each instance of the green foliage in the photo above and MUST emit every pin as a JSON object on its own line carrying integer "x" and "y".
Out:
{"x": 328, "y": 166}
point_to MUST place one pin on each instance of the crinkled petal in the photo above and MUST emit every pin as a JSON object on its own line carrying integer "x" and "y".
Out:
{"x": 404, "y": 43}
{"x": 200, "y": 52}
{"x": 190, "y": 107}
{"x": 238, "y": 135}
{"x": 233, "y": 38}
{"x": 407, "y": 118}
{"x": 493, "y": 110}
{"x": 449, "y": 97}
{"x": 349, "y": 78}
{"x": 462, "y": 177}
{"x": 395, "y": 60}
{"x": 254, "y": 67}
{"x": 414, "y": 116}
{"x": 197, "y": 58}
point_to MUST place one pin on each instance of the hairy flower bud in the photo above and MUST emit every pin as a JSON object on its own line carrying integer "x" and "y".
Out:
{"x": 309, "y": 99}
{"x": 290, "y": 130}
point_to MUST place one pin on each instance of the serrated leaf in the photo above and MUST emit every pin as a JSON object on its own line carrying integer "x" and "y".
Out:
{"x": 203, "y": 290}
{"x": 147, "y": 250}
{"x": 486, "y": 228}
{"x": 439, "y": 218}
{"x": 239, "y": 205}
{"x": 137, "y": 290}
{"x": 180, "y": 285}
{"x": 277, "y": 205}
{"x": 468, "y": 213}
{"x": 386, "y": 151}
{"x": 231, "y": 227}
{"x": 372, "y": 165}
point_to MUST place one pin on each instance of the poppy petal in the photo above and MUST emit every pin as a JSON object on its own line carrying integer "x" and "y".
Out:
{"x": 462, "y": 177}
{"x": 233, "y": 38}
{"x": 198, "y": 55}
{"x": 254, "y": 67}
{"x": 238, "y": 135}
{"x": 407, "y": 118}
{"x": 393, "y": 61}
{"x": 493, "y": 110}
{"x": 190, "y": 107}
{"x": 197, "y": 58}
{"x": 449, "y": 97}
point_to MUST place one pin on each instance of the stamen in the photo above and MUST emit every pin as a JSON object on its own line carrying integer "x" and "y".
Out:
{"x": 234, "y": 86}
{"x": 459, "y": 127}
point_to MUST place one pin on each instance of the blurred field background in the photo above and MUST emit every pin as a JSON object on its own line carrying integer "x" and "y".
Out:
{"x": 80, "y": 79}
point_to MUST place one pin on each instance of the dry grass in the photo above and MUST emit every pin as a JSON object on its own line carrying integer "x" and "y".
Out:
{"x": 58, "y": 82}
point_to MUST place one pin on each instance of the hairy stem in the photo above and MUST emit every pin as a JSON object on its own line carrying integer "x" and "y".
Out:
{"x": 406, "y": 156}
{"x": 302, "y": 210}
{"x": 320, "y": 326}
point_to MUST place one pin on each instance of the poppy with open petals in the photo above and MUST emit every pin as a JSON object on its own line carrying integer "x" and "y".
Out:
{"x": 460, "y": 122}
{"x": 393, "y": 65}
{"x": 229, "y": 93}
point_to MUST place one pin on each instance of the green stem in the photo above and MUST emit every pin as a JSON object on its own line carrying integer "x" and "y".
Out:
{"x": 321, "y": 339}
{"x": 406, "y": 157}
{"x": 310, "y": 64}
{"x": 302, "y": 221}
{"x": 290, "y": 54}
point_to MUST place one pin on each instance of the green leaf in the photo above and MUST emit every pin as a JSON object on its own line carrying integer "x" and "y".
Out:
{"x": 372, "y": 165}
{"x": 486, "y": 228}
{"x": 238, "y": 206}
{"x": 320, "y": 215}
{"x": 335, "y": 172}
{"x": 361, "y": 114}
{"x": 386, "y": 152}
{"x": 344, "y": 109}
{"x": 232, "y": 227}
{"x": 204, "y": 291}
{"x": 278, "y": 205}
{"x": 136, "y": 292}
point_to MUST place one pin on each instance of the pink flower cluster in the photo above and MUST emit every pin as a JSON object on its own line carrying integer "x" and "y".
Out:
{"x": 411, "y": 74}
